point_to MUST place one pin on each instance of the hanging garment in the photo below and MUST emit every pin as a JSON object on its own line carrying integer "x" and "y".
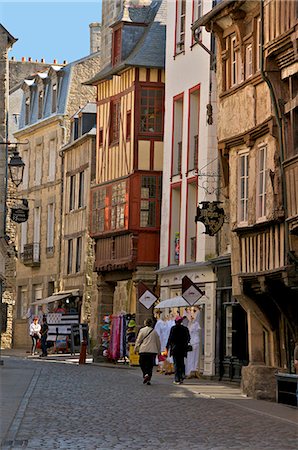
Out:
{"x": 192, "y": 360}
{"x": 162, "y": 330}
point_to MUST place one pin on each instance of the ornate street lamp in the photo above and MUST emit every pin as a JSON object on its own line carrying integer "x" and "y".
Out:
{"x": 16, "y": 167}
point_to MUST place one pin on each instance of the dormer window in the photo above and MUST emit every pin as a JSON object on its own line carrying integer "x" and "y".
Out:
{"x": 116, "y": 49}
{"x": 40, "y": 104}
{"x": 27, "y": 110}
{"x": 54, "y": 98}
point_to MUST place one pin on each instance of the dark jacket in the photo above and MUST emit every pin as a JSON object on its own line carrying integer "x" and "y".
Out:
{"x": 178, "y": 340}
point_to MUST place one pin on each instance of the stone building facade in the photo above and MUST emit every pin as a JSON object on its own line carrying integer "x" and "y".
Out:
{"x": 7, "y": 256}
{"x": 50, "y": 98}
{"x": 256, "y": 74}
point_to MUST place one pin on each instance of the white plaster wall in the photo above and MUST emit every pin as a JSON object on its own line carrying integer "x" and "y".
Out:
{"x": 182, "y": 73}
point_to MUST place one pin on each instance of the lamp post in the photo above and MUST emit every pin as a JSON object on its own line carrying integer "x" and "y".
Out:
{"x": 15, "y": 167}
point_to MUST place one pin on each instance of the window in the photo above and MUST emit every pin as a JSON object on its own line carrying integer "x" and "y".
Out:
{"x": 177, "y": 135}
{"x": 258, "y": 44}
{"x": 22, "y": 303}
{"x": 180, "y": 25}
{"x": 197, "y": 13}
{"x": 194, "y": 117}
{"x": 128, "y": 125}
{"x": 116, "y": 57}
{"x": 233, "y": 61}
{"x": 72, "y": 180}
{"x": 69, "y": 255}
{"x": 23, "y": 237}
{"x": 152, "y": 101}
{"x": 248, "y": 61}
{"x": 50, "y": 228}
{"x": 191, "y": 208}
{"x": 291, "y": 118}
{"x": 114, "y": 121}
{"x": 40, "y": 104}
{"x": 78, "y": 254}
{"x": 36, "y": 234}
{"x": 174, "y": 244}
{"x": 243, "y": 188}
{"x": 118, "y": 205}
{"x": 38, "y": 166}
{"x": 81, "y": 190}
{"x": 150, "y": 197}
{"x": 52, "y": 161}
{"x": 261, "y": 183}
{"x": 98, "y": 210}
{"x": 27, "y": 110}
{"x": 54, "y": 98}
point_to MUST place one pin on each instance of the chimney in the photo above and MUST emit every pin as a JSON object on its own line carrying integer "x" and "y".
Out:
{"x": 55, "y": 61}
{"x": 23, "y": 59}
{"x": 95, "y": 37}
{"x": 30, "y": 59}
{"x": 42, "y": 60}
{"x": 65, "y": 62}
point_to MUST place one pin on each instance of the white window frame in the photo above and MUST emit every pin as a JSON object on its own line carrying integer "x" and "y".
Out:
{"x": 243, "y": 177}
{"x": 38, "y": 166}
{"x": 52, "y": 161}
{"x": 261, "y": 182}
{"x": 180, "y": 18}
{"x": 50, "y": 225}
{"x": 248, "y": 61}
{"x": 234, "y": 61}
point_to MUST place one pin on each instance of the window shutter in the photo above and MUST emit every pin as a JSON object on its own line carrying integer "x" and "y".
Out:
{"x": 52, "y": 161}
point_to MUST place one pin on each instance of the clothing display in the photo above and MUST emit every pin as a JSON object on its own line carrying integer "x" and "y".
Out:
{"x": 192, "y": 360}
{"x": 118, "y": 332}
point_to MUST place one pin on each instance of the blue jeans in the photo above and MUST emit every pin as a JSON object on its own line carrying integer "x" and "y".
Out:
{"x": 179, "y": 367}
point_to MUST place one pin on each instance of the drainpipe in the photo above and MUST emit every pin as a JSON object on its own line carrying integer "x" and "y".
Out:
{"x": 61, "y": 154}
{"x": 288, "y": 253}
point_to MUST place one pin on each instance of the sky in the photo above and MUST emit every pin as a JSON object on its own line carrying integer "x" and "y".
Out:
{"x": 50, "y": 29}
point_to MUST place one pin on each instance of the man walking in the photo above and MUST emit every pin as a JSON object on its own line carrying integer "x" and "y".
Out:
{"x": 44, "y": 335}
{"x": 177, "y": 346}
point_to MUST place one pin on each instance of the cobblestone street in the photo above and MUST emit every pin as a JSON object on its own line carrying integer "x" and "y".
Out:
{"x": 91, "y": 407}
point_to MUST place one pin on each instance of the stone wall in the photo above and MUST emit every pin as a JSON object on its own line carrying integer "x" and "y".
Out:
{"x": 258, "y": 381}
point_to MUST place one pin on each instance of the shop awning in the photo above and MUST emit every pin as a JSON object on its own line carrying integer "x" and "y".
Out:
{"x": 56, "y": 297}
{"x": 177, "y": 302}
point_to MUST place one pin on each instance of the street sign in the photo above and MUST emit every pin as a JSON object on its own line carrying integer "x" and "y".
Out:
{"x": 190, "y": 292}
{"x": 211, "y": 216}
{"x": 20, "y": 213}
{"x": 146, "y": 297}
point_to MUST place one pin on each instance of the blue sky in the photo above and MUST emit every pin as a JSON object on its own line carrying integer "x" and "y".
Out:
{"x": 50, "y": 29}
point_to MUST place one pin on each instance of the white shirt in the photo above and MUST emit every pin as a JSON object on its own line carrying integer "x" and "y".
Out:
{"x": 34, "y": 328}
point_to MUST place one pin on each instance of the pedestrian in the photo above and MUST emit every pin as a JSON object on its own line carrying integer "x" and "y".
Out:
{"x": 35, "y": 334}
{"x": 177, "y": 346}
{"x": 148, "y": 346}
{"x": 44, "y": 336}
{"x": 296, "y": 357}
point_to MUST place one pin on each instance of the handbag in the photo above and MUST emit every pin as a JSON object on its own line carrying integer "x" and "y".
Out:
{"x": 189, "y": 348}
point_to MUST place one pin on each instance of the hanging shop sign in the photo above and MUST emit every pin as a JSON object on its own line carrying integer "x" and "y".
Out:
{"x": 20, "y": 213}
{"x": 190, "y": 292}
{"x": 211, "y": 215}
{"x": 146, "y": 296}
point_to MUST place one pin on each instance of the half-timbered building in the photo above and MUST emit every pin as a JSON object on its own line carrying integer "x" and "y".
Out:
{"x": 257, "y": 133}
{"x": 125, "y": 196}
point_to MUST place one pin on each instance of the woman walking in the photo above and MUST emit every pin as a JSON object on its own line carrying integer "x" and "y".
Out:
{"x": 148, "y": 346}
{"x": 35, "y": 334}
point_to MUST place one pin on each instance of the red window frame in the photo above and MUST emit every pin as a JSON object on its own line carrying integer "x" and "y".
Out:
{"x": 116, "y": 47}
{"x": 151, "y": 110}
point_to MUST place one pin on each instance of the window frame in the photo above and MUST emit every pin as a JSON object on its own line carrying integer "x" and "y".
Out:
{"x": 78, "y": 265}
{"x": 115, "y": 119}
{"x": 242, "y": 214}
{"x": 118, "y": 203}
{"x": 152, "y": 201}
{"x": 72, "y": 190}
{"x": 180, "y": 23}
{"x": 69, "y": 256}
{"x": 54, "y": 97}
{"x": 81, "y": 199}
{"x": 158, "y": 110}
{"x": 50, "y": 227}
{"x": 40, "y": 103}
{"x": 176, "y": 140}
{"x": 261, "y": 191}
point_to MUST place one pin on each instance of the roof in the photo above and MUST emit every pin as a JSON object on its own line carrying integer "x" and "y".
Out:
{"x": 149, "y": 51}
{"x": 10, "y": 37}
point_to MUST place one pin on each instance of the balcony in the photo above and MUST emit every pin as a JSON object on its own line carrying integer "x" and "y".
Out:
{"x": 116, "y": 252}
{"x": 31, "y": 255}
{"x": 263, "y": 251}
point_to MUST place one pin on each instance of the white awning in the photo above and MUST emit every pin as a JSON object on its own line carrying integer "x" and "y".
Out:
{"x": 56, "y": 297}
{"x": 177, "y": 302}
